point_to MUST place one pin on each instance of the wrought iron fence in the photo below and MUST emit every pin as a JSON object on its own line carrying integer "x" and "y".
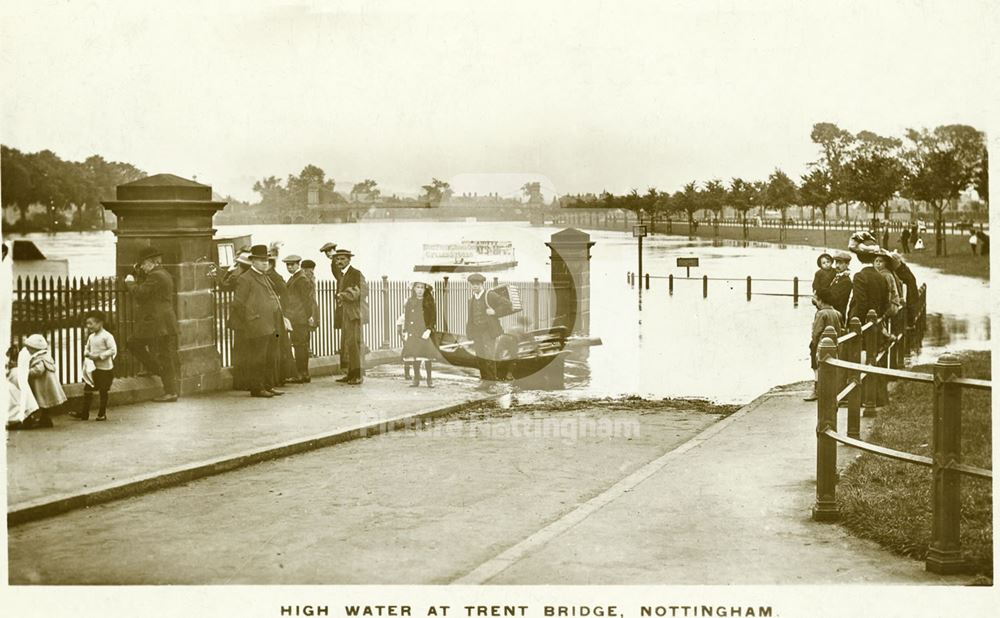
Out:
{"x": 55, "y": 308}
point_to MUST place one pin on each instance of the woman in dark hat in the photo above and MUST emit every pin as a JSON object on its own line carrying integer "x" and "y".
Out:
{"x": 419, "y": 319}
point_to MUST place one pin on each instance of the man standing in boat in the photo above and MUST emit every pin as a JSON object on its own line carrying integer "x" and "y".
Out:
{"x": 483, "y": 326}
{"x": 352, "y": 309}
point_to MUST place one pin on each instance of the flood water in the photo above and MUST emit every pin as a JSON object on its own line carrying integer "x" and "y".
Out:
{"x": 654, "y": 343}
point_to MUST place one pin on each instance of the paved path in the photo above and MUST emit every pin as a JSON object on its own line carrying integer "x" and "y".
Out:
{"x": 143, "y": 440}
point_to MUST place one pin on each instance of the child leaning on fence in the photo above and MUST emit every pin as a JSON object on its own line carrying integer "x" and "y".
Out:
{"x": 98, "y": 366}
{"x": 825, "y": 316}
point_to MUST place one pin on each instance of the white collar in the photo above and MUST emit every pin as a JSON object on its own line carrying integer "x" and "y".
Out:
{"x": 480, "y": 295}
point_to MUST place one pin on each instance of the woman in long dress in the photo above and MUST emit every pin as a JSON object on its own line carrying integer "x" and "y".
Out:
{"x": 419, "y": 319}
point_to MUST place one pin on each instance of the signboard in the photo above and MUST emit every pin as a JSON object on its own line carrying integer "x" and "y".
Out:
{"x": 638, "y": 231}
{"x": 687, "y": 262}
{"x": 227, "y": 255}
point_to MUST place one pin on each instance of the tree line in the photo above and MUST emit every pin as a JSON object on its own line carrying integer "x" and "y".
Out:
{"x": 53, "y": 194}
{"x": 929, "y": 167}
{"x": 295, "y": 191}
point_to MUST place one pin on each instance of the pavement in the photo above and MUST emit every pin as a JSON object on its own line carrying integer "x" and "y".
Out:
{"x": 690, "y": 502}
{"x": 147, "y": 446}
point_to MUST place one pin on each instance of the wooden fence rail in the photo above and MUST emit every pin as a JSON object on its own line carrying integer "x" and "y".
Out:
{"x": 855, "y": 366}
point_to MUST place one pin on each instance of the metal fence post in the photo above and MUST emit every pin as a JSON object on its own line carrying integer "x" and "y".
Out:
{"x": 795, "y": 290}
{"x": 749, "y": 284}
{"x": 825, "y": 508}
{"x": 670, "y": 284}
{"x": 871, "y": 351}
{"x": 647, "y": 281}
{"x": 704, "y": 286}
{"x": 854, "y": 398}
{"x": 944, "y": 555}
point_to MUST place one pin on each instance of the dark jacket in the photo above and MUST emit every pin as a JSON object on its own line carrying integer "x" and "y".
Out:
{"x": 352, "y": 296}
{"x": 823, "y": 278}
{"x": 840, "y": 288}
{"x": 279, "y": 285}
{"x": 227, "y": 278}
{"x": 154, "y": 305}
{"x": 419, "y": 315}
{"x": 910, "y": 281}
{"x": 870, "y": 292}
{"x": 255, "y": 311}
{"x": 301, "y": 303}
{"x": 479, "y": 324}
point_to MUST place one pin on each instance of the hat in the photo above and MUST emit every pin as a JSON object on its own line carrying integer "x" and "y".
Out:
{"x": 841, "y": 256}
{"x": 821, "y": 256}
{"x": 327, "y": 246}
{"x": 291, "y": 258}
{"x": 243, "y": 258}
{"x": 476, "y": 278}
{"x": 149, "y": 252}
{"x": 308, "y": 264}
{"x": 344, "y": 252}
{"x": 825, "y": 295}
{"x": 896, "y": 259}
{"x": 421, "y": 281}
{"x": 37, "y": 342}
{"x": 258, "y": 252}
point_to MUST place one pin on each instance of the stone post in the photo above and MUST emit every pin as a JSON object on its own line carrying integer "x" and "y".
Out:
{"x": 175, "y": 215}
{"x": 570, "y": 262}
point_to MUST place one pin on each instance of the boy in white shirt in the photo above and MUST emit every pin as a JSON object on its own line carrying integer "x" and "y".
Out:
{"x": 99, "y": 366}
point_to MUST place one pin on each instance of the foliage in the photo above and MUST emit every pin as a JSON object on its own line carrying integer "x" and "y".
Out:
{"x": 816, "y": 189}
{"x": 533, "y": 192}
{"x": 366, "y": 191}
{"x": 436, "y": 193}
{"x": 688, "y": 199}
{"x": 873, "y": 173}
{"x": 781, "y": 192}
{"x": 713, "y": 197}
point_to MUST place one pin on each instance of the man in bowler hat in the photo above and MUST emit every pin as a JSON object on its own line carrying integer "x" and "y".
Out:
{"x": 483, "y": 326}
{"x": 303, "y": 312}
{"x": 255, "y": 313}
{"x": 352, "y": 311}
{"x": 154, "y": 341}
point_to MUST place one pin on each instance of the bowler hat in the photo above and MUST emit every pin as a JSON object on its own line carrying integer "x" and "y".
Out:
{"x": 288, "y": 259}
{"x": 841, "y": 256}
{"x": 344, "y": 252}
{"x": 258, "y": 252}
{"x": 308, "y": 264}
{"x": 476, "y": 278}
{"x": 327, "y": 246}
{"x": 149, "y": 252}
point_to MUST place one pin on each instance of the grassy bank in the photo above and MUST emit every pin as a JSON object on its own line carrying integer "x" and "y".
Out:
{"x": 890, "y": 502}
{"x": 959, "y": 260}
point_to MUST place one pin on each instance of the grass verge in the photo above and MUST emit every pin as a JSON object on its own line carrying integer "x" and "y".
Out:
{"x": 959, "y": 260}
{"x": 890, "y": 502}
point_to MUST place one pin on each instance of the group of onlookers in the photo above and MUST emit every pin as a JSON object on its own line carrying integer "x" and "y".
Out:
{"x": 885, "y": 284}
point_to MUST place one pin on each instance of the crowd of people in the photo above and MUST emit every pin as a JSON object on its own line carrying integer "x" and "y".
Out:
{"x": 884, "y": 284}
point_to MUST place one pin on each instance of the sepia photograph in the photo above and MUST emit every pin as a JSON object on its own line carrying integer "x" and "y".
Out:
{"x": 519, "y": 309}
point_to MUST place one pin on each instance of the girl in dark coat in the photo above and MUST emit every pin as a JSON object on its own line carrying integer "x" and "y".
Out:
{"x": 419, "y": 318}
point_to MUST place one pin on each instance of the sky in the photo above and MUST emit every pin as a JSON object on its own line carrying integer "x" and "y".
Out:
{"x": 582, "y": 96}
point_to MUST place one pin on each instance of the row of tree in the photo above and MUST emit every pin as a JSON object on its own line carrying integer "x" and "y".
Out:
{"x": 294, "y": 192}
{"x": 69, "y": 192}
{"x": 926, "y": 167}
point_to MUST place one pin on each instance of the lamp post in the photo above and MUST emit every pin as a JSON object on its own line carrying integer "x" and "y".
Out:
{"x": 639, "y": 232}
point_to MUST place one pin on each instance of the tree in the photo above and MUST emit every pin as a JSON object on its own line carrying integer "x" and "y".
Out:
{"x": 713, "y": 197}
{"x": 437, "y": 192}
{"x": 741, "y": 198}
{"x": 781, "y": 192}
{"x": 365, "y": 191}
{"x": 816, "y": 192}
{"x": 940, "y": 165}
{"x": 298, "y": 186}
{"x": 533, "y": 191}
{"x": 688, "y": 199}
{"x": 873, "y": 173}
{"x": 835, "y": 144}
{"x": 982, "y": 178}
{"x": 272, "y": 194}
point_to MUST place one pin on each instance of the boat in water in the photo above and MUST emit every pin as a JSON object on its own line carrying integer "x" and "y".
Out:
{"x": 468, "y": 256}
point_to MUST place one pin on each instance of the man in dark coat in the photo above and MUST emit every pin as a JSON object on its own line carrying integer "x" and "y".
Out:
{"x": 840, "y": 287}
{"x": 329, "y": 249}
{"x": 483, "y": 326}
{"x": 302, "y": 311}
{"x": 910, "y": 281}
{"x": 227, "y": 283}
{"x": 871, "y": 292}
{"x": 154, "y": 339}
{"x": 284, "y": 366}
{"x": 352, "y": 310}
{"x": 256, "y": 314}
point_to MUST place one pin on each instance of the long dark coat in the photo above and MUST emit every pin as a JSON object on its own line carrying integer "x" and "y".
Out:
{"x": 154, "y": 305}
{"x": 870, "y": 292}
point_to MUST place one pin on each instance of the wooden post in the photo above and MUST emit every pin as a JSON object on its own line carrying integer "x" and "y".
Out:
{"x": 871, "y": 350}
{"x": 795, "y": 290}
{"x": 854, "y": 399}
{"x": 444, "y": 302}
{"x": 670, "y": 284}
{"x": 704, "y": 286}
{"x": 825, "y": 508}
{"x": 647, "y": 281}
{"x": 536, "y": 293}
{"x": 748, "y": 287}
{"x": 386, "y": 314}
{"x": 944, "y": 555}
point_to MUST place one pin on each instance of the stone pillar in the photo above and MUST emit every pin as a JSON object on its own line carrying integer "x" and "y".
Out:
{"x": 175, "y": 215}
{"x": 570, "y": 262}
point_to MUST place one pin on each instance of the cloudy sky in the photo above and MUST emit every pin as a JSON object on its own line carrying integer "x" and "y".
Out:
{"x": 584, "y": 95}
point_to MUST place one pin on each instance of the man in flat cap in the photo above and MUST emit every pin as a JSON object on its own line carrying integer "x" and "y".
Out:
{"x": 840, "y": 287}
{"x": 255, "y": 313}
{"x": 303, "y": 312}
{"x": 483, "y": 326}
{"x": 154, "y": 341}
{"x": 352, "y": 311}
{"x": 329, "y": 249}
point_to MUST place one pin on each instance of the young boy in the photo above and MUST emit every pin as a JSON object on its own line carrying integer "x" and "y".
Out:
{"x": 826, "y": 315}
{"x": 99, "y": 367}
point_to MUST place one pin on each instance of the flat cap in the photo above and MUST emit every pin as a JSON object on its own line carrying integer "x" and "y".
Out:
{"x": 841, "y": 256}
{"x": 288, "y": 259}
{"x": 476, "y": 278}
{"x": 327, "y": 246}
